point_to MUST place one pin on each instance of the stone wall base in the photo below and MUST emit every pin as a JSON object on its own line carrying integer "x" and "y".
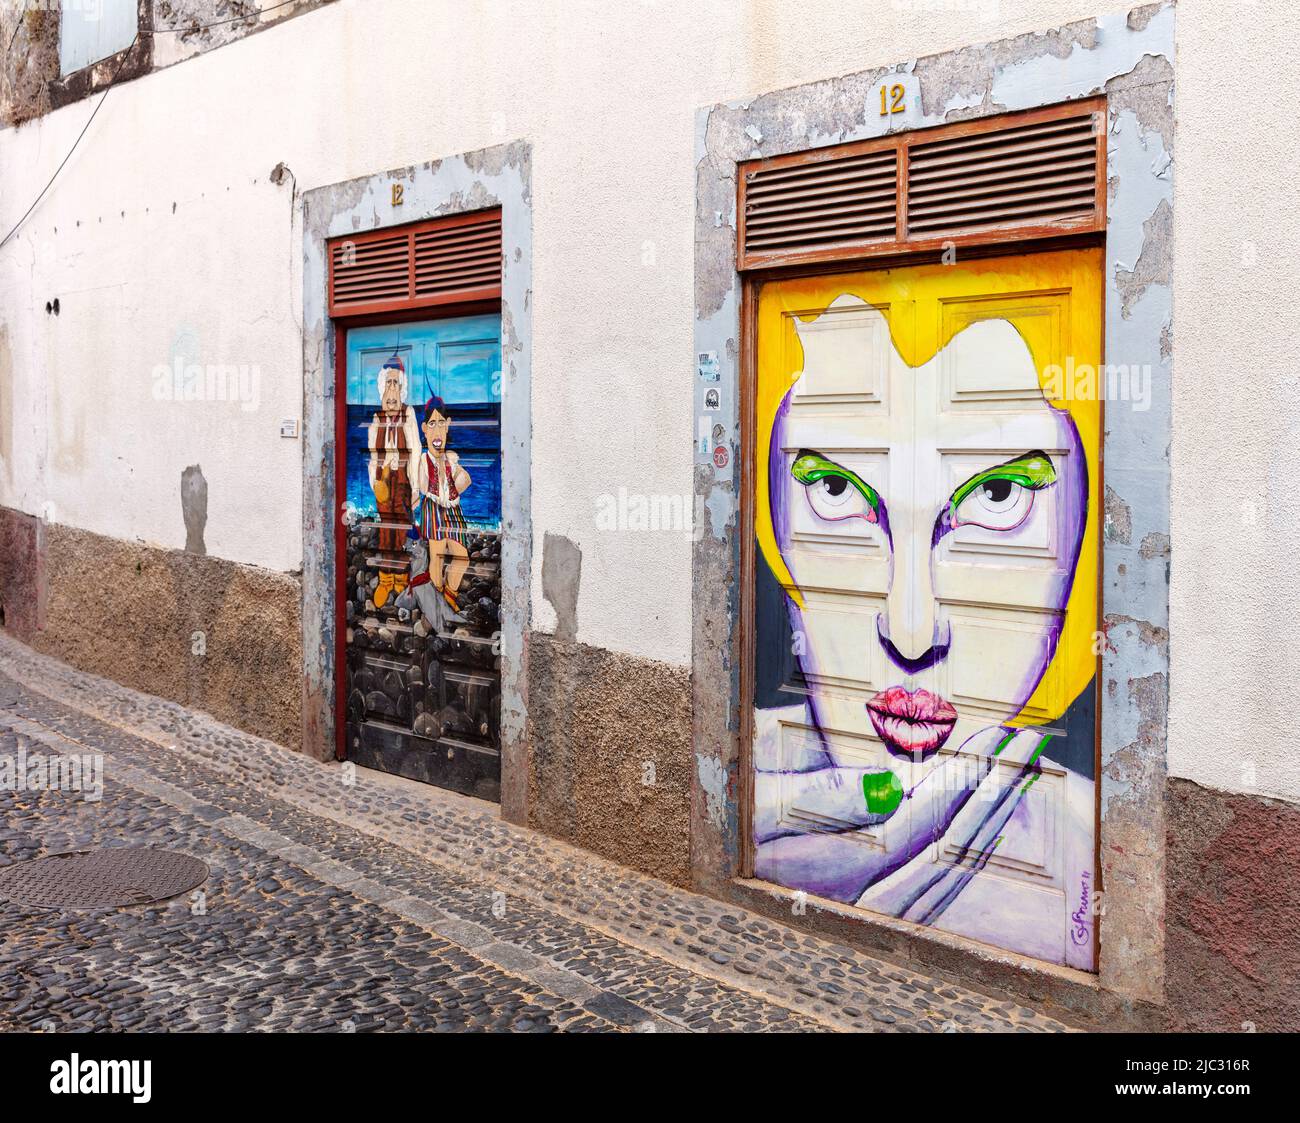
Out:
{"x": 1232, "y": 953}
{"x": 610, "y": 760}
{"x": 212, "y": 634}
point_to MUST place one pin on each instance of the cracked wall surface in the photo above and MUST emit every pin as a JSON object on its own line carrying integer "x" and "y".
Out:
{"x": 496, "y": 177}
{"x": 191, "y": 249}
{"x": 1128, "y": 56}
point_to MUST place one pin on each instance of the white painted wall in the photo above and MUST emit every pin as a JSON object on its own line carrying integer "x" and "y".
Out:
{"x": 163, "y": 236}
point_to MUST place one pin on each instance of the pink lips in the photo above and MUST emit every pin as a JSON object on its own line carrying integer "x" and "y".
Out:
{"x": 911, "y": 722}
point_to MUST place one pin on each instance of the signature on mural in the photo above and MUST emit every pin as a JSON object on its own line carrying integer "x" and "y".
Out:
{"x": 1081, "y": 932}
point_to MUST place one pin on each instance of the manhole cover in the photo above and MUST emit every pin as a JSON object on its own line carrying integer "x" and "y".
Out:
{"x": 101, "y": 879}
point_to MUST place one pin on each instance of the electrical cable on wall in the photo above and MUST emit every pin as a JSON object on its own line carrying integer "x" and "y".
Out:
{"x": 94, "y": 113}
{"x": 111, "y": 83}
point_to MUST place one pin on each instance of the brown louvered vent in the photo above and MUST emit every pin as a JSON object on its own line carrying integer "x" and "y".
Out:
{"x": 800, "y": 207}
{"x": 1029, "y": 175}
{"x": 1046, "y": 172}
{"x": 369, "y": 272}
{"x": 446, "y": 260}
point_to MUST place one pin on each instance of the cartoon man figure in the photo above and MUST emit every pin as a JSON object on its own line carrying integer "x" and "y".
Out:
{"x": 440, "y": 481}
{"x": 394, "y": 446}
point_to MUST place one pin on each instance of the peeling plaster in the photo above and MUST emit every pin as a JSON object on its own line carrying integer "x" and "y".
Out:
{"x": 498, "y": 176}
{"x": 1150, "y": 634}
{"x": 950, "y": 82}
{"x": 1154, "y": 545}
{"x": 1119, "y": 519}
{"x": 561, "y": 578}
{"x": 713, "y": 781}
{"x": 1129, "y": 58}
{"x": 1145, "y": 91}
{"x": 1154, "y": 264}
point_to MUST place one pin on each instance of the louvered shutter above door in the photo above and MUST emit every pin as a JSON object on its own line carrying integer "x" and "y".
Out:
{"x": 1042, "y": 173}
{"x": 1029, "y": 175}
{"x": 796, "y": 207}
{"x": 447, "y": 260}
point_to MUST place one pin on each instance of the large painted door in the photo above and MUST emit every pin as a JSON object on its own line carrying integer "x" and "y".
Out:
{"x": 926, "y": 510}
{"x": 422, "y": 534}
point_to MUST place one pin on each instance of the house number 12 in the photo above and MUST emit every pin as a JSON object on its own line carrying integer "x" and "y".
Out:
{"x": 891, "y": 99}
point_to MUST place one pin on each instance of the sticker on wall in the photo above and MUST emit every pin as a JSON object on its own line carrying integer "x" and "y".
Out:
{"x": 712, "y": 400}
{"x": 707, "y": 366}
{"x": 720, "y": 456}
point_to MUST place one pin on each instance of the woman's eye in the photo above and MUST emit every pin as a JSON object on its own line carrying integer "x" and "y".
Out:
{"x": 996, "y": 504}
{"x": 998, "y": 491}
{"x": 833, "y": 498}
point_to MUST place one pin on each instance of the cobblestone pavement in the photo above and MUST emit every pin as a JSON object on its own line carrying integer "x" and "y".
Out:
{"x": 343, "y": 899}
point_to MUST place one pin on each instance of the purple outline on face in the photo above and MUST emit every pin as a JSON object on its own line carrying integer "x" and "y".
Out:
{"x": 1072, "y": 499}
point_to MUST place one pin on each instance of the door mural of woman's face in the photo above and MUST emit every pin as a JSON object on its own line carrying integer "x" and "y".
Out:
{"x": 925, "y": 507}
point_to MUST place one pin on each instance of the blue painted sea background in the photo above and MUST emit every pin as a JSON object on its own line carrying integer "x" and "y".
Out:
{"x": 458, "y": 359}
{"x": 475, "y": 437}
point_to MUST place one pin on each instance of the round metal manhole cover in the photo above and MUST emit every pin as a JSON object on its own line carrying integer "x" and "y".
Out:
{"x": 101, "y": 879}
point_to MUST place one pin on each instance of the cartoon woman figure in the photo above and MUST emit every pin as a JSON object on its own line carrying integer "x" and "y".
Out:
{"x": 394, "y": 443}
{"x": 440, "y": 481}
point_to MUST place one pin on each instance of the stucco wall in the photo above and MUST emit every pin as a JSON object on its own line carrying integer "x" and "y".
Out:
{"x": 164, "y": 236}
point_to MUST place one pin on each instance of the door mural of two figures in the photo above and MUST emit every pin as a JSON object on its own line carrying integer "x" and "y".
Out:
{"x": 926, "y": 599}
{"x": 422, "y": 520}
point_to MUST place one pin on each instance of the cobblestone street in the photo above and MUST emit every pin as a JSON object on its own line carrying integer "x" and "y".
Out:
{"x": 379, "y": 904}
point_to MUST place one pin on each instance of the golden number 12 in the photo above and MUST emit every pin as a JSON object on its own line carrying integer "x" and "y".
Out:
{"x": 891, "y": 99}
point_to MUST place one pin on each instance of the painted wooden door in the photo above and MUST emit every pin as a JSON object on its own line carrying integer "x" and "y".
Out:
{"x": 926, "y": 509}
{"x": 422, "y": 534}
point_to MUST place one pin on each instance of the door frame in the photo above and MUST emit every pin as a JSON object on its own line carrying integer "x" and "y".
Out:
{"x": 1127, "y": 59}
{"x": 498, "y": 177}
